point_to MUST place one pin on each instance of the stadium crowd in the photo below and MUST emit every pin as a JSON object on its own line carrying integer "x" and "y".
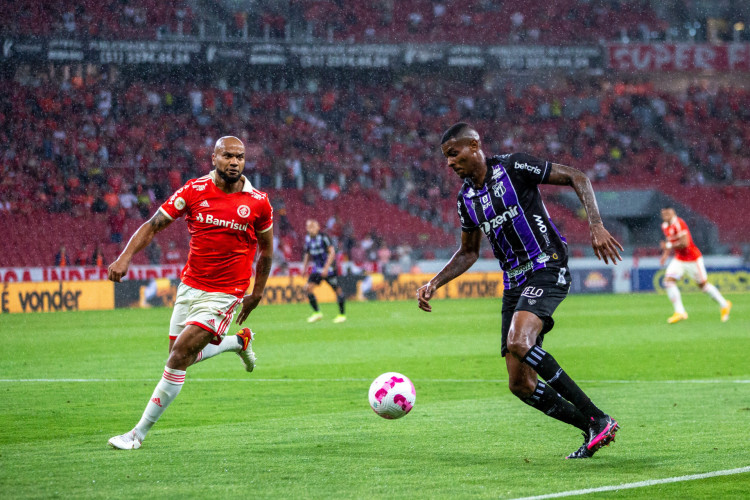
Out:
{"x": 88, "y": 145}
{"x": 81, "y": 145}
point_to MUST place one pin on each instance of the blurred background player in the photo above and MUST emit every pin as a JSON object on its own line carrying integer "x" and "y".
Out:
{"x": 319, "y": 251}
{"x": 687, "y": 260}
{"x": 228, "y": 220}
{"x": 500, "y": 198}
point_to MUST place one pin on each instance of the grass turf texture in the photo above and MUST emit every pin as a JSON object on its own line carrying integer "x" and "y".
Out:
{"x": 300, "y": 425}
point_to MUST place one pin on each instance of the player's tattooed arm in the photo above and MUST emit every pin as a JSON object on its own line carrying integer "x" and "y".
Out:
{"x": 159, "y": 221}
{"x": 604, "y": 244}
{"x": 140, "y": 240}
{"x": 563, "y": 175}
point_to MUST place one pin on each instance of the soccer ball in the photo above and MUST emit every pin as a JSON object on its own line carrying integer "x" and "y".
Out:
{"x": 392, "y": 395}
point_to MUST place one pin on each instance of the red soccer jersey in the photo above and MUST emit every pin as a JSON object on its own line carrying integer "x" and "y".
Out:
{"x": 223, "y": 230}
{"x": 673, "y": 230}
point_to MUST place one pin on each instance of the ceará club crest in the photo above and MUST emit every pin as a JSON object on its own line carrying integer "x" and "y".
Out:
{"x": 243, "y": 211}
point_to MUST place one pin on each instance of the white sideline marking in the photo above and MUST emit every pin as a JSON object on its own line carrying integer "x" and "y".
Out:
{"x": 641, "y": 484}
{"x": 308, "y": 380}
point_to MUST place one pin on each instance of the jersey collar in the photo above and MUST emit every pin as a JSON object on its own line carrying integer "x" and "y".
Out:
{"x": 469, "y": 188}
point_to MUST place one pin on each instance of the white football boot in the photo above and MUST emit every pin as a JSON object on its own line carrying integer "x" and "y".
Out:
{"x": 127, "y": 441}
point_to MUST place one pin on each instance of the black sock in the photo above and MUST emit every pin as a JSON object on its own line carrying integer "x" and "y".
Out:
{"x": 549, "y": 402}
{"x": 340, "y": 300}
{"x": 547, "y": 368}
{"x": 313, "y": 301}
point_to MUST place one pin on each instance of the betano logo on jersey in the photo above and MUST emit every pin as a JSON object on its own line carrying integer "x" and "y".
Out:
{"x": 498, "y": 221}
{"x": 210, "y": 219}
{"x": 531, "y": 168}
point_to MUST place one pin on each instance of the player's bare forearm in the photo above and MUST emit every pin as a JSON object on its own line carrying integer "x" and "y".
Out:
{"x": 459, "y": 264}
{"x": 329, "y": 260}
{"x": 682, "y": 242}
{"x": 664, "y": 257}
{"x": 144, "y": 234}
{"x": 605, "y": 246}
{"x": 562, "y": 175}
{"x": 262, "y": 271}
{"x": 462, "y": 260}
{"x": 140, "y": 240}
{"x": 264, "y": 263}
{"x": 465, "y": 257}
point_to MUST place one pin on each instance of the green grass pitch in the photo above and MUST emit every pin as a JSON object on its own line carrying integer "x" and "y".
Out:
{"x": 300, "y": 425}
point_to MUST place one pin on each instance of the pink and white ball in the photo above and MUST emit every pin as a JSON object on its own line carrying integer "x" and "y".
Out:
{"x": 392, "y": 395}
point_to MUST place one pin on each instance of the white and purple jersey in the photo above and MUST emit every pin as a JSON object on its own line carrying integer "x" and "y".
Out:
{"x": 317, "y": 247}
{"x": 509, "y": 210}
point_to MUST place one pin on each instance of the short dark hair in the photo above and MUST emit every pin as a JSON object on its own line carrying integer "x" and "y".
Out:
{"x": 455, "y": 131}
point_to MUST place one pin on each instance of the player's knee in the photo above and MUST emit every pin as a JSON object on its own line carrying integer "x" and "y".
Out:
{"x": 179, "y": 359}
{"x": 703, "y": 285}
{"x": 521, "y": 387}
{"x": 518, "y": 344}
{"x": 669, "y": 282}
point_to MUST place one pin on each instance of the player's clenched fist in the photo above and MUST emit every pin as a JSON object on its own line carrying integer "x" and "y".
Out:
{"x": 117, "y": 270}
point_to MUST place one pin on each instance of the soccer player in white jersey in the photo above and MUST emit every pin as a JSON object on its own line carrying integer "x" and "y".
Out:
{"x": 228, "y": 221}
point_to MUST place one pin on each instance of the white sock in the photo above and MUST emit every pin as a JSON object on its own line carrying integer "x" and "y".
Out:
{"x": 715, "y": 294}
{"x": 229, "y": 343}
{"x": 674, "y": 296}
{"x": 166, "y": 390}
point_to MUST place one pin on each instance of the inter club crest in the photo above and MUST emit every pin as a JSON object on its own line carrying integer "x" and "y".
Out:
{"x": 243, "y": 211}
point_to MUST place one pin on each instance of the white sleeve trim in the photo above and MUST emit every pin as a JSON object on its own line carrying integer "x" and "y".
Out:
{"x": 165, "y": 213}
{"x": 266, "y": 229}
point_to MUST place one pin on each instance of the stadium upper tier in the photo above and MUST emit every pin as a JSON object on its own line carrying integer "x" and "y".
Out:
{"x": 387, "y": 21}
{"x": 105, "y": 19}
{"x": 481, "y": 21}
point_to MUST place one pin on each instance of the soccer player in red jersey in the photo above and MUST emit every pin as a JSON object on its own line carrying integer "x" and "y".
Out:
{"x": 228, "y": 221}
{"x": 687, "y": 260}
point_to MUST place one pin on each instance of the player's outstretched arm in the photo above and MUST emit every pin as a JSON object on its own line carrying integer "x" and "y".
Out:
{"x": 465, "y": 257}
{"x": 604, "y": 244}
{"x": 140, "y": 240}
{"x": 262, "y": 271}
